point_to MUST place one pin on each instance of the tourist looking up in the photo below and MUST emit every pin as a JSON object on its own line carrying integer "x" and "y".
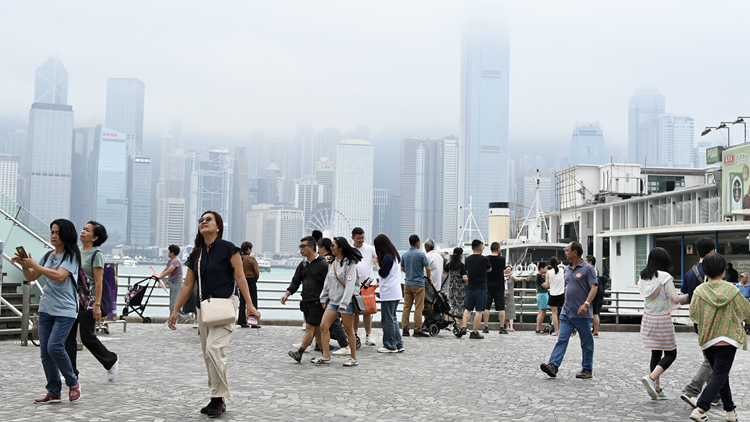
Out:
{"x": 311, "y": 275}
{"x": 542, "y": 296}
{"x": 390, "y": 293}
{"x": 556, "y": 280}
{"x": 365, "y": 271}
{"x": 336, "y": 297}
{"x": 457, "y": 279}
{"x": 252, "y": 273}
{"x": 477, "y": 267}
{"x": 656, "y": 286}
{"x": 495, "y": 288}
{"x": 92, "y": 236}
{"x": 58, "y": 306}
{"x": 173, "y": 270}
{"x": 414, "y": 263}
{"x": 580, "y": 284}
{"x": 216, "y": 265}
{"x": 719, "y": 310}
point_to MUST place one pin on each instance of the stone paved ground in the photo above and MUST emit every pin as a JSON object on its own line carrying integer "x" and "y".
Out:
{"x": 162, "y": 378}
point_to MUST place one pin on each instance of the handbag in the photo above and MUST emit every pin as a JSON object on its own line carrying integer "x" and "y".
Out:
{"x": 368, "y": 296}
{"x": 215, "y": 310}
{"x": 359, "y": 303}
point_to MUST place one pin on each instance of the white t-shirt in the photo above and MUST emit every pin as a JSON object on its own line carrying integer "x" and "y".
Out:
{"x": 365, "y": 266}
{"x": 436, "y": 269}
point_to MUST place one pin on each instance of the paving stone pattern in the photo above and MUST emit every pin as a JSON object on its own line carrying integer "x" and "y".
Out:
{"x": 163, "y": 378}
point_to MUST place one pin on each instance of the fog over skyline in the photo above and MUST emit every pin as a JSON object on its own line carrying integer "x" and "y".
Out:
{"x": 229, "y": 68}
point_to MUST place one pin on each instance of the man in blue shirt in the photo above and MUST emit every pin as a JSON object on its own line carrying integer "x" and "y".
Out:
{"x": 580, "y": 290}
{"x": 415, "y": 264}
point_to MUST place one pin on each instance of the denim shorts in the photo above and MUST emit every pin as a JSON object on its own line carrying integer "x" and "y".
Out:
{"x": 335, "y": 308}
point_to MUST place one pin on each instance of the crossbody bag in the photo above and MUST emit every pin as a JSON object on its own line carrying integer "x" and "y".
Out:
{"x": 215, "y": 310}
{"x": 359, "y": 303}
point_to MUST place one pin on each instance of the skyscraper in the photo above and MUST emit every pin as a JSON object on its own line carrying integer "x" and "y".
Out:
{"x": 9, "y": 175}
{"x": 111, "y": 186}
{"x": 17, "y": 144}
{"x": 139, "y": 202}
{"x": 324, "y": 176}
{"x": 125, "y": 97}
{"x": 240, "y": 195}
{"x": 51, "y": 83}
{"x": 170, "y": 221}
{"x": 483, "y": 166}
{"x": 646, "y": 104}
{"x": 587, "y": 144}
{"x": 49, "y": 148}
{"x": 352, "y": 192}
{"x": 208, "y": 188}
{"x": 670, "y": 139}
{"x": 86, "y": 142}
{"x": 308, "y": 196}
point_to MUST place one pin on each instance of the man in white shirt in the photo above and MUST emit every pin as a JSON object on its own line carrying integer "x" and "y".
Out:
{"x": 365, "y": 271}
{"x": 436, "y": 263}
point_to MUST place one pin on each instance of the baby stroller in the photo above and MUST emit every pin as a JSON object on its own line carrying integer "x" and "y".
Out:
{"x": 136, "y": 299}
{"x": 435, "y": 307}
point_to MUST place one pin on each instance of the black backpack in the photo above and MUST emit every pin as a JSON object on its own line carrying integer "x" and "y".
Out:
{"x": 601, "y": 286}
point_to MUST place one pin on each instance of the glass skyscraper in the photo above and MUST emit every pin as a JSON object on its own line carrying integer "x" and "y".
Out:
{"x": 51, "y": 83}
{"x": 139, "y": 202}
{"x": 483, "y": 165}
{"x": 111, "y": 182}
{"x": 646, "y": 104}
{"x": 124, "y": 113}
{"x": 86, "y": 142}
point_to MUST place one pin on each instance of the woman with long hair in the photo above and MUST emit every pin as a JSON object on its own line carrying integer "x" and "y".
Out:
{"x": 217, "y": 266}
{"x": 58, "y": 307}
{"x": 336, "y": 298}
{"x": 92, "y": 236}
{"x": 389, "y": 270}
{"x": 657, "y": 330}
{"x": 556, "y": 281}
{"x": 457, "y": 278}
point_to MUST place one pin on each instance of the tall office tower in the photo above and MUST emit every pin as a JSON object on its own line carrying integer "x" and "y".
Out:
{"x": 429, "y": 188}
{"x": 324, "y": 176}
{"x": 646, "y": 104}
{"x": 483, "y": 167}
{"x": 256, "y": 160}
{"x": 381, "y": 201}
{"x": 253, "y": 191}
{"x": 172, "y": 177}
{"x": 271, "y": 185}
{"x": 83, "y": 174}
{"x": 111, "y": 186}
{"x": 208, "y": 188}
{"x": 9, "y": 175}
{"x": 17, "y": 144}
{"x": 670, "y": 139}
{"x": 303, "y": 152}
{"x": 352, "y": 191}
{"x": 170, "y": 221}
{"x": 167, "y": 145}
{"x": 308, "y": 196}
{"x": 50, "y": 145}
{"x": 526, "y": 188}
{"x": 124, "y": 113}
{"x": 275, "y": 229}
{"x": 139, "y": 202}
{"x": 240, "y": 195}
{"x": 51, "y": 83}
{"x": 587, "y": 144}
{"x": 325, "y": 143}
{"x": 175, "y": 131}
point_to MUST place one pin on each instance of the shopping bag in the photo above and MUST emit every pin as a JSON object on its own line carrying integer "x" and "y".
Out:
{"x": 368, "y": 295}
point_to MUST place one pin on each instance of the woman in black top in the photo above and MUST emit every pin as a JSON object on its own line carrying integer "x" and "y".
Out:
{"x": 457, "y": 279}
{"x": 220, "y": 273}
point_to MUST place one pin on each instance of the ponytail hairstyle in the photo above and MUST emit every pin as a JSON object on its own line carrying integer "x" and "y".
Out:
{"x": 553, "y": 262}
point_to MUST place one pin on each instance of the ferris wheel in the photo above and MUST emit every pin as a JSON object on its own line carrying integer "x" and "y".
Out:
{"x": 331, "y": 222}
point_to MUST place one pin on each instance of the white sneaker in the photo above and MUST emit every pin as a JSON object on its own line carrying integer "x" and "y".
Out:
{"x": 650, "y": 386}
{"x": 351, "y": 362}
{"x": 699, "y": 416}
{"x": 298, "y": 345}
{"x": 732, "y": 416}
{"x": 386, "y": 350}
{"x": 369, "y": 341}
{"x": 195, "y": 323}
{"x": 344, "y": 351}
{"x": 112, "y": 372}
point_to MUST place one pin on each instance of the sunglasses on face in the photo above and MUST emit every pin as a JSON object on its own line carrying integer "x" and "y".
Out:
{"x": 303, "y": 246}
{"x": 206, "y": 219}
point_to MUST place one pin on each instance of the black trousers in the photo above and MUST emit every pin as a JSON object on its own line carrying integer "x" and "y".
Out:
{"x": 189, "y": 306}
{"x": 252, "y": 284}
{"x": 721, "y": 359}
{"x": 337, "y": 331}
{"x": 88, "y": 337}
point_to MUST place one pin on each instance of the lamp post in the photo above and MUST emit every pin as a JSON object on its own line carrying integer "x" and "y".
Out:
{"x": 707, "y": 130}
{"x": 741, "y": 119}
{"x": 723, "y": 125}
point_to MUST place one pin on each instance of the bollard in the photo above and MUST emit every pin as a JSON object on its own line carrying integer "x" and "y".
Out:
{"x": 25, "y": 313}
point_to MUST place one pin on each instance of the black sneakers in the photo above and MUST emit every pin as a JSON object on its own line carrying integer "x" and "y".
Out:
{"x": 420, "y": 334}
{"x": 503, "y": 330}
{"x": 549, "y": 369}
{"x": 214, "y": 408}
{"x": 486, "y": 330}
{"x": 296, "y": 355}
{"x": 405, "y": 333}
{"x": 476, "y": 335}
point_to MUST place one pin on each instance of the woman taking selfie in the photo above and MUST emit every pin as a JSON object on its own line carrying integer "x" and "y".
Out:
{"x": 217, "y": 267}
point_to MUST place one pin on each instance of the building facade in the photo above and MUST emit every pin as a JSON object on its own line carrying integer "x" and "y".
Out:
{"x": 240, "y": 195}
{"x": 646, "y": 104}
{"x": 170, "y": 222}
{"x": 139, "y": 202}
{"x": 587, "y": 144}
{"x": 275, "y": 229}
{"x": 209, "y": 188}
{"x": 111, "y": 186}
{"x": 51, "y": 83}
{"x": 85, "y": 166}
{"x": 125, "y": 99}
{"x": 353, "y": 178}
{"x": 9, "y": 175}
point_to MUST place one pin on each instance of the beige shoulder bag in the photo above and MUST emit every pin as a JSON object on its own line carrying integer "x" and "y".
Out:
{"x": 215, "y": 310}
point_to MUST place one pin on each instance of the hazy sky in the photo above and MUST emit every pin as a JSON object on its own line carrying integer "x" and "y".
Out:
{"x": 227, "y": 68}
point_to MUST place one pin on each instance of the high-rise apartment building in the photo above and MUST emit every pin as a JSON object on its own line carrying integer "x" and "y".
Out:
{"x": 646, "y": 104}
{"x": 85, "y": 158}
{"x": 9, "y": 175}
{"x": 17, "y": 144}
{"x": 51, "y": 83}
{"x": 271, "y": 185}
{"x": 324, "y": 177}
{"x": 587, "y": 144}
{"x": 111, "y": 186}
{"x": 485, "y": 72}
{"x": 240, "y": 195}
{"x": 139, "y": 202}
{"x": 352, "y": 192}
{"x": 170, "y": 221}
{"x": 429, "y": 189}
{"x": 50, "y": 145}
{"x": 308, "y": 196}
{"x": 275, "y": 229}
{"x": 125, "y": 98}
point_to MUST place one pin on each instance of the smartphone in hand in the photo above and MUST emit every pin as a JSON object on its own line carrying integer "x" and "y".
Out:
{"x": 252, "y": 320}
{"x": 21, "y": 252}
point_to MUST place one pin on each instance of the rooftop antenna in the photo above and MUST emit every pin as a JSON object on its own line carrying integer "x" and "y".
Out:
{"x": 470, "y": 226}
{"x": 540, "y": 225}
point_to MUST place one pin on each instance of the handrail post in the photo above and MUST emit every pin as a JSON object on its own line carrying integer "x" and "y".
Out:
{"x": 617, "y": 308}
{"x": 25, "y": 313}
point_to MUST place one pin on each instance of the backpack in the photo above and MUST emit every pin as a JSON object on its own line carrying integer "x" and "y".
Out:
{"x": 601, "y": 286}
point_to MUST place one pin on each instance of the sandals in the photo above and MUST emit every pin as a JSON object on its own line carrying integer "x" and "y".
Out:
{"x": 320, "y": 360}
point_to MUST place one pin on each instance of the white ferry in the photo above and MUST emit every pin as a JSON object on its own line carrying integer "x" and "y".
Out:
{"x": 130, "y": 263}
{"x": 264, "y": 265}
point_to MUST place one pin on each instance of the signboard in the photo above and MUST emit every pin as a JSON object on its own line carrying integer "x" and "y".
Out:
{"x": 735, "y": 181}
{"x": 713, "y": 155}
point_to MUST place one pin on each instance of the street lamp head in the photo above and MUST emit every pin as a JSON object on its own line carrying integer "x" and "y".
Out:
{"x": 721, "y": 126}
{"x": 739, "y": 120}
{"x": 706, "y": 131}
